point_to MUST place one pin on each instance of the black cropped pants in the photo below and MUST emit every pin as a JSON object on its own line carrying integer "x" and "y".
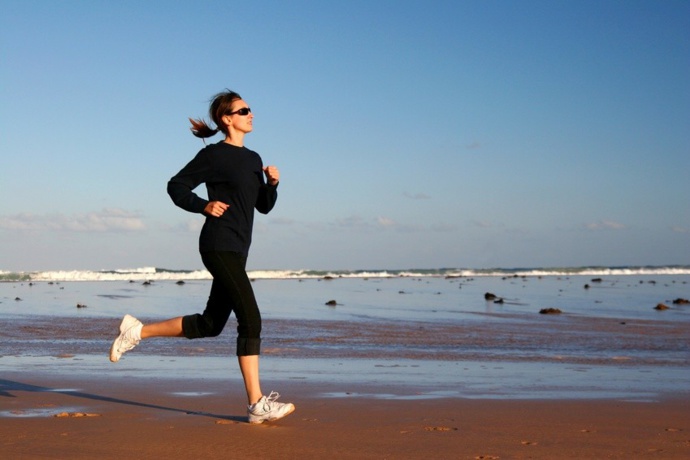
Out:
{"x": 231, "y": 291}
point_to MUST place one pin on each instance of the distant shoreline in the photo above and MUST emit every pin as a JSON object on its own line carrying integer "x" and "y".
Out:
{"x": 153, "y": 273}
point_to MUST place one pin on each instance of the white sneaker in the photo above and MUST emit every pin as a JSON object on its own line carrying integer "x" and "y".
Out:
{"x": 268, "y": 409}
{"x": 130, "y": 336}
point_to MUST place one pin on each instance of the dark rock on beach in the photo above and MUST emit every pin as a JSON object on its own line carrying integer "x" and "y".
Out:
{"x": 550, "y": 311}
{"x": 81, "y": 305}
{"x": 661, "y": 306}
{"x": 331, "y": 303}
{"x": 180, "y": 283}
{"x": 496, "y": 299}
{"x": 681, "y": 302}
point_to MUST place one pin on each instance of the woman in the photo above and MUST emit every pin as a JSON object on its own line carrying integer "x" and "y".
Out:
{"x": 234, "y": 178}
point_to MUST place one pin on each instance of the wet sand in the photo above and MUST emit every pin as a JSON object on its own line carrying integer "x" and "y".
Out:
{"x": 576, "y": 340}
{"x": 45, "y": 416}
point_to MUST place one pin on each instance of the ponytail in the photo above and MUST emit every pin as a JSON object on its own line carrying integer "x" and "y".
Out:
{"x": 201, "y": 129}
{"x": 220, "y": 105}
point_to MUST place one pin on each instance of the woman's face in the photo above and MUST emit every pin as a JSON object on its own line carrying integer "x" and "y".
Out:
{"x": 240, "y": 116}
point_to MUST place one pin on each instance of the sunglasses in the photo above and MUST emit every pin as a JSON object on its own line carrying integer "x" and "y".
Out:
{"x": 244, "y": 111}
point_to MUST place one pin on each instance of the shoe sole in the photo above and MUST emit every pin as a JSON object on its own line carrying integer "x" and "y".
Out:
{"x": 113, "y": 356}
{"x": 259, "y": 422}
{"x": 131, "y": 321}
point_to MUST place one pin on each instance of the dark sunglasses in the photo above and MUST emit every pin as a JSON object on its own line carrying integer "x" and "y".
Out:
{"x": 244, "y": 111}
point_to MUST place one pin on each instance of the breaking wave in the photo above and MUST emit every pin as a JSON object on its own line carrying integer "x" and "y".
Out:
{"x": 153, "y": 273}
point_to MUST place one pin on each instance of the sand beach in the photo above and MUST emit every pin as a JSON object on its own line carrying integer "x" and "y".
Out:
{"x": 52, "y": 417}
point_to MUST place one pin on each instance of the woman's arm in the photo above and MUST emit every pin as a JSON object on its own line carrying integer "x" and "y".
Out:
{"x": 268, "y": 194}
{"x": 182, "y": 184}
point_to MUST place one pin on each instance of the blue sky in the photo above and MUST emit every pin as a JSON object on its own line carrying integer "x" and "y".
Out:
{"x": 409, "y": 134}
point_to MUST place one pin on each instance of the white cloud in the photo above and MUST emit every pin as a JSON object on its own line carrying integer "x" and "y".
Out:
{"x": 483, "y": 224}
{"x": 379, "y": 223}
{"x": 604, "y": 225}
{"x": 417, "y": 196}
{"x": 351, "y": 222}
{"x": 193, "y": 225}
{"x": 108, "y": 220}
{"x": 385, "y": 222}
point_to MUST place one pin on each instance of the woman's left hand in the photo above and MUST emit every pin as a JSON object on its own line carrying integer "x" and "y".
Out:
{"x": 272, "y": 175}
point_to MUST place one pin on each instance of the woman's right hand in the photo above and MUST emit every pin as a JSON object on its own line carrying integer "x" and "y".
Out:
{"x": 215, "y": 208}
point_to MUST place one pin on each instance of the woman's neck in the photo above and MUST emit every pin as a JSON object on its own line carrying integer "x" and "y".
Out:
{"x": 237, "y": 141}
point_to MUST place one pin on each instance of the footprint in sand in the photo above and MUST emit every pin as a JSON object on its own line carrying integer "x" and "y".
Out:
{"x": 76, "y": 414}
{"x": 226, "y": 422}
{"x": 439, "y": 428}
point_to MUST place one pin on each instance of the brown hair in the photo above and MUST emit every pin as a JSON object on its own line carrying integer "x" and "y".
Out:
{"x": 221, "y": 105}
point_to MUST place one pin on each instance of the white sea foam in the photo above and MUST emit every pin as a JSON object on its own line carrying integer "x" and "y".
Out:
{"x": 152, "y": 273}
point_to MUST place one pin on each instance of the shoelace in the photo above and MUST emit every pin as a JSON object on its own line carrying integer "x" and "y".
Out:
{"x": 271, "y": 398}
{"x": 128, "y": 342}
{"x": 267, "y": 403}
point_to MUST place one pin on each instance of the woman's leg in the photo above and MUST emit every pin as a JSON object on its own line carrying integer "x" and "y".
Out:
{"x": 208, "y": 324}
{"x": 249, "y": 365}
{"x": 132, "y": 331}
{"x": 212, "y": 321}
{"x": 168, "y": 328}
{"x": 233, "y": 290}
{"x": 228, "y": 270}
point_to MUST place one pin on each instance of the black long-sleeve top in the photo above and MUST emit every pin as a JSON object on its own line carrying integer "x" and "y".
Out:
{"x": 233, "y": 175}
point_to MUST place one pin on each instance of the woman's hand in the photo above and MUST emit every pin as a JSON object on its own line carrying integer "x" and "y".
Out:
{"x": 272, "y": 175}
{"x": 215, "y": 208}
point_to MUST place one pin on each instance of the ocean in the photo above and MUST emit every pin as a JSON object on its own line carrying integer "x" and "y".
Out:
{"x": 423, "y": 333}
{"x": 153, "y": 273}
